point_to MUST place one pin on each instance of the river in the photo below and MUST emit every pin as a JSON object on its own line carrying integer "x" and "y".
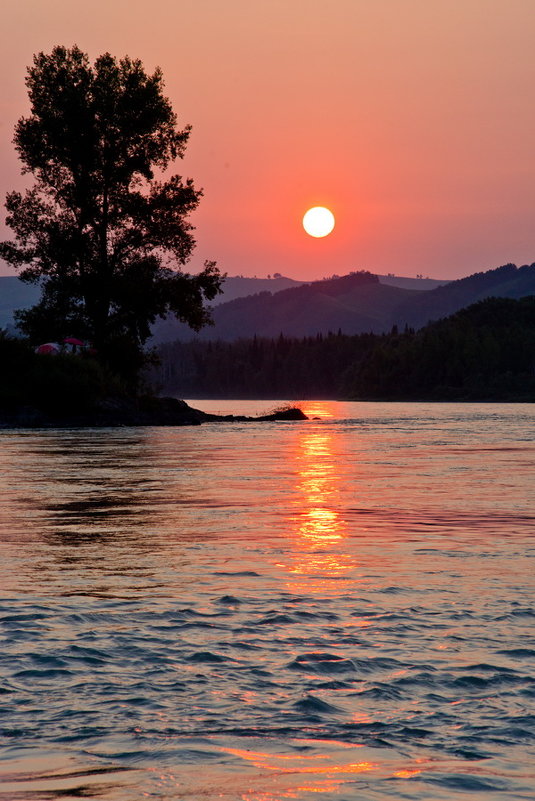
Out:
{"x": 334, "y": 609}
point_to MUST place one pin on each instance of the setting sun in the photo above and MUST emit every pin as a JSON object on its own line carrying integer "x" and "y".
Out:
{"x": 318, "y": 221}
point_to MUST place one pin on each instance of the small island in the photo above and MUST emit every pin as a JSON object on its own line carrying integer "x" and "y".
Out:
{"x": 143, "y": 411}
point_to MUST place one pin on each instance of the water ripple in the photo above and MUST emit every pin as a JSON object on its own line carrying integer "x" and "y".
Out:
{"x": 334, "y": 610}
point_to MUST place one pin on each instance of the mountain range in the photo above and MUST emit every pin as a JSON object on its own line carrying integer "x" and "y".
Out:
{"x": 353, "y": 304}
{"x": 356, "y": 303}
{"x": 14, "y": 294}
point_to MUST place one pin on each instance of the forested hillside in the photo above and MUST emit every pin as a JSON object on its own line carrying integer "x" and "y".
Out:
{"x": 483, "y": 352}
{"x": 508, "y": 281}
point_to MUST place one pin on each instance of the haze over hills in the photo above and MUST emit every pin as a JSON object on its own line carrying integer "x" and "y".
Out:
{"x": 357, "y": 303}
{"x": 508, "y": 281}
{"x": 14, "y": 294}
{"x": 240, "y": 287}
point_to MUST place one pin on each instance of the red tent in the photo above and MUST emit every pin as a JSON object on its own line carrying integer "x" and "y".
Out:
{"x": 50, "y": 348}
{"x": 73, "y": 341}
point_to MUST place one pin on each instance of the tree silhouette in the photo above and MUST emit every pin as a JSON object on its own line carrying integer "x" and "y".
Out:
{"x": 102, "y": 233}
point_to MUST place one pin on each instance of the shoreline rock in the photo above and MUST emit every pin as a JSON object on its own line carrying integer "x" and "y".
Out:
{"x": 144, "y": 411}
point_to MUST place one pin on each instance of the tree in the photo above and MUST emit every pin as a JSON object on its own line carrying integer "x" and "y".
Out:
{"x": 103, "y": 235}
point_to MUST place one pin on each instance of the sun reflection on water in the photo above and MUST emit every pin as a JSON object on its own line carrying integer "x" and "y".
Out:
{"x": 319, "y": 555}
{"x": 320, "y": 409}
{"x": 324, "y": 773}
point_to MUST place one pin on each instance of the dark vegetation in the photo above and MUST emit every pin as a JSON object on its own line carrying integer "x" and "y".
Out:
{"x": 483, "y": 352}
{"x": 40, "y": 391}
{"x": 56, "y": 384}
{"x": 103, "y": 239}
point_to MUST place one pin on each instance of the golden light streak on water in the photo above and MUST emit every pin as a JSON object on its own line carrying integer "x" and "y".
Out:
{"x": 322, "y": 409}
{"x": 330, "y": 773}
{"x": 320, "y": 529}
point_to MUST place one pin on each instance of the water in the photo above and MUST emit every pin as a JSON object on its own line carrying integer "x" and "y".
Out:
{"x": 336, "y": 609}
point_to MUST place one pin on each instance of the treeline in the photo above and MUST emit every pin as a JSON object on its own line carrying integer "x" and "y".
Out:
{"x": 483, "y": 352}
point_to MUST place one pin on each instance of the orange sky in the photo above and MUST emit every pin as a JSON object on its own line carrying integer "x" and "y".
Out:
{"x": 413, "y": 120}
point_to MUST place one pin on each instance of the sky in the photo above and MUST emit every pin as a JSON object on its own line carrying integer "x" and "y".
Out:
{"x": 412, "y": 120}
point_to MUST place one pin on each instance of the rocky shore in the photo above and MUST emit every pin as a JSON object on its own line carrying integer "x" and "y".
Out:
{"x": 144, "y": 411}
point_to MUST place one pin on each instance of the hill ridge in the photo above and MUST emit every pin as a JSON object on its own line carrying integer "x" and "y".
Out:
{"x": 355, "y": 303}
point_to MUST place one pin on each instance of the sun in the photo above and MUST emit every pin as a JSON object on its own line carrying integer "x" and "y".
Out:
{"x": 318, "y": 221}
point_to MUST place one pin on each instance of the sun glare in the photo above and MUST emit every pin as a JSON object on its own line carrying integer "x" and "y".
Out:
{"x": 318, "y": 221}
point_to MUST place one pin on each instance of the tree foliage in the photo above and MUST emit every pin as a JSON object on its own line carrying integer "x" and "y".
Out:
{"x": 100, "y": 230}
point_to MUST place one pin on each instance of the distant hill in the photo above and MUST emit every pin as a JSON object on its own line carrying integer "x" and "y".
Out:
{"x": 318, "y": 303}
{"x": 239, "y": 286}
{"x": 357, "y": 303}
{"x": 411, "y": 283}
{"x": 14, "y": 294}
{"x": 298, "y": 311}
{"x": 508, "y": 281}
